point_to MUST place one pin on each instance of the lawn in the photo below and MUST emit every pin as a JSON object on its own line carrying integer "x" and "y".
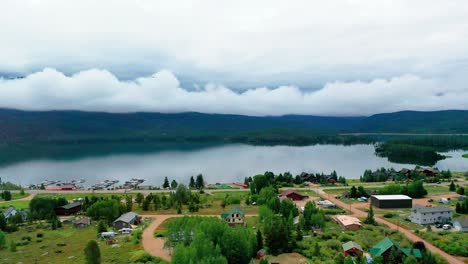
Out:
{"x": 436, "y": 189}
{"x": 16, "y": 204}
{"x": 64, "y": 245}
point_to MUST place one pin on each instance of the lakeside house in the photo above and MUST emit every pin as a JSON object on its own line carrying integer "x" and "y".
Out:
{"x": 68, "y": 209}
{"x": 351, "y": 248}
{"x": 386, "y": 245}
{"x": 126, "y": 220}
{"x": 292, "y": 195}
{"x": 461, "y": 224}
{"x": 424, "y": 215}
{"x": 235, "y": 216}
{"x": 348, "y": 222}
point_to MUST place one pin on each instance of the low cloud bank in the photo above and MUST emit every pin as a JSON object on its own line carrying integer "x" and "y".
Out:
{"x": 100, "y": 90}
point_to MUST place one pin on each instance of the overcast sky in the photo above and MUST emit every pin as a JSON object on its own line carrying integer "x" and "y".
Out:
{"x": 354, "y": 57}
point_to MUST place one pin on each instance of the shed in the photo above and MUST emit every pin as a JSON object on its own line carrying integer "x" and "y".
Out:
{"x": 348, "y": 222}
{"x": 391, "y": 201}
{"x": 352, "y": 248}
{"x": 82, "y": 223}
{"x": 126, "y": 220}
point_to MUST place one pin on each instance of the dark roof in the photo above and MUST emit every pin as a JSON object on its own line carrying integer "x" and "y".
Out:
{"x": 127, "y": 217}
{"x": 289, "y": 192}
{"x": 350, "y": 244}
{"x": 70, "y": 205}
{"x": 425, "y": 209}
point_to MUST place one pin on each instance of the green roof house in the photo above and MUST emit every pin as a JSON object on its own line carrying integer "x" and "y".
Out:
{"x": 385, "y": 246}
{"x": 235, "y": 216}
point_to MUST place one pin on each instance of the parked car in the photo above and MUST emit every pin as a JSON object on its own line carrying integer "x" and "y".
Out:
{"x": 430, "y": 200}
{"x": 438, "y": 225}
{"x": 446, "y": 227}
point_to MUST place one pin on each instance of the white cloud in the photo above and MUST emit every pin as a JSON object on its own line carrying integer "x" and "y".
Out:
{"x": 240, "y": 42}
{"x": 99, "y": 90}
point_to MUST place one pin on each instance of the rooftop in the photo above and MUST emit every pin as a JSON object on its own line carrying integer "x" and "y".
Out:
{"x": 348, "y": 220}
{"x": 392, "y": 197}
{"x": 233, "y": 211}
{"x": 351, "y": 244}
{"x": 127, "y": 217}
{"x": 425, "y": 209}
{"x": 71, "y": 205}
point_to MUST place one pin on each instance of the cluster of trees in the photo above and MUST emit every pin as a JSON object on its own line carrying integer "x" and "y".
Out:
{"x": 9, "y": 186}
{"x": 41, "y": 208}
{"x": 462, "y": 207}
{"x": 357, "y": 192}
{"x": 106, "y": 210}
{"x": 379, "y": 175}
{"x": 406, "y": 153}
{"x": 5, "y": 195}
{"x": 198, "y": 184}
{"x": 182, "y": 196}
{"x": 414, "y": 189}
{"x": 209, "y": 240}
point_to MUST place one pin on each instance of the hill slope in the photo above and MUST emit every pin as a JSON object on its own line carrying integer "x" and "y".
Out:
{"x": 62, "y": 126}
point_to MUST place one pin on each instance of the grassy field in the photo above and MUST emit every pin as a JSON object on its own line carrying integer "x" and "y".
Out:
{"x": 454, "y": 243}
{"x": 15, "y": 196}
{"x": 16, "y": 204}
{"x": 64, "y": 245}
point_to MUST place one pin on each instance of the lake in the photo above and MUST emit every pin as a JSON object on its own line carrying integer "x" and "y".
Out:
{"x": 222, "y": 163}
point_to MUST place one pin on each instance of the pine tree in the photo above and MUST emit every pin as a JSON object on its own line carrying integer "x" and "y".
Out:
{"x": 174, "y": 184}
{"x": 166, "y": 183}
{"x": 259, "y": 240}
{"x": 452, "y": 187}
{"x": 200, "y": 183}
{"x": 101, "y": 227}
{"x": 129, "y": 203}
{"x": 192, "y": 183}
{"x": 370, "y": 216}
{"x": 3, "y": 222}
{"x": 92, "y": 253}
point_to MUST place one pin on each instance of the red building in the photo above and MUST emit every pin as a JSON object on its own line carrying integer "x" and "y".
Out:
{"x": 292, "y": 195}
{"x": 351, "y": 248}
{"x": 68, "y": 209}
{"x": 60, "y": 187}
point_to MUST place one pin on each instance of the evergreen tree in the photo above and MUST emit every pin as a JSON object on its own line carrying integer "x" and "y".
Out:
{"x": 92, "y": 253}
{"x": 101, "y": 227}
{"x": 370, "y": 216}
{"x": 353, "y": 192}
{"x": 166, "y": 183}
{"x": 259, "y": 240}
{"x": 129, "y": 203}
{"x": 452, "y": 187}
{"x": 192, "y": 183}
{"x": 461, "y": 191}
{"x": 200, "y": 183}
{"x": 3, "y": 222}
{"x": 139, "y": 198}
{"x": 6, "y": 195}
{"x": 174, "y": 184}
{"x": 156, "y": 202}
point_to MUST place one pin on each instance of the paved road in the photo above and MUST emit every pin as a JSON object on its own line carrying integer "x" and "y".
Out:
{"x": 410, "y": 235}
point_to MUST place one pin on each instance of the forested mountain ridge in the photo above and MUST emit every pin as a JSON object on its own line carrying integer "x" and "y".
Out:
{"x": 18, "y": 126}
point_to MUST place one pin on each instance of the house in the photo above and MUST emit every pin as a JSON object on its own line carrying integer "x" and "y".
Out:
{"x": 348, "y": 222}
{"x": 235, "y": 216}
{"x": 429, "y": 172}
{"x": 308, "y": 177}
{"x": 11, "y": 211}
{"x": 385, "y": 246}
{"x": 292, "y": 195}
{"x": 428, "y": 215}
{"x": 68, "y": 209}
{"x": 82, "y": 223}
{"x": 127, "y": 220}
{"x": 391, "y": 201}
{"x": 351, "y": 248}
{"x": 461, "y": 224}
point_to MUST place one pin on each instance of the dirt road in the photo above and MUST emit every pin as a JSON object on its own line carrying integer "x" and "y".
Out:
{"x": 27, "y": 198}
{"x": 410, "y": 235}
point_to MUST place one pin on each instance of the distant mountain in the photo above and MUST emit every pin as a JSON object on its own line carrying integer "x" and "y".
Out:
{"x": 438, "y": 122}
{"x": 67, "y": 126}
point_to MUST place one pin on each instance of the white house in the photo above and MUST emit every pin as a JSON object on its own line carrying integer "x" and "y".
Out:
{"x": 428, "y": 215}
{"x": 461, "y": 224}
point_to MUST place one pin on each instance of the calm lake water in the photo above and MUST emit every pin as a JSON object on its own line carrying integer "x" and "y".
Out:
{"x": 225, "y": 163}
